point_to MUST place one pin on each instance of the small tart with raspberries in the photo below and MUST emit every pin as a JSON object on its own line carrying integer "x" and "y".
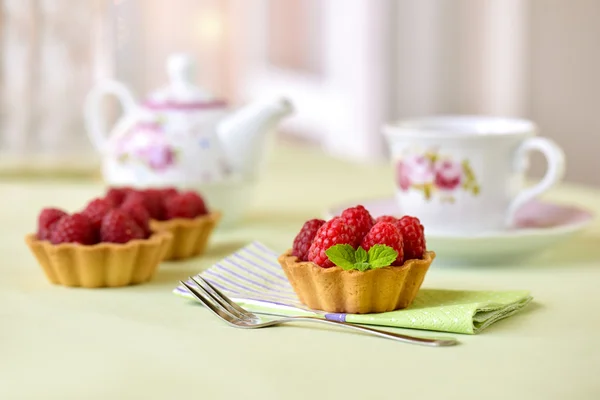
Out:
{"x": 356, "y": 264}
{"x": 101, "y": 246}
{"x": 182, "y": 213}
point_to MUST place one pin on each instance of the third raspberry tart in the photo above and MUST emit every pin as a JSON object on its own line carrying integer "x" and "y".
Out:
{"x": 355, "y": 264}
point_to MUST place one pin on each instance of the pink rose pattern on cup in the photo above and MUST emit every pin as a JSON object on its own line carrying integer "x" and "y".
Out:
{"x": 417, "y": 169}
{"x": 448, "y": 174}
{"x": 402, "y": 175}
{"x": 433, "y": 173}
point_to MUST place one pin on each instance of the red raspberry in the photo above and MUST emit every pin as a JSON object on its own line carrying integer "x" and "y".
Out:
{"x": 96, "y": 210}
{"x": 136, "y": 210}
{"x": 47, "y": 220}
{"x": 118, "y": 227}
{"x": 196, "y": 198}
{"x": 134, "y": 196}
{"x": 139, "y": 197}
{"x": 75, "y": 228}
{"x": 387, "y": 218}
{"x": 332, "y": 232}
{"x": 117, "y": 195}
{"x": 167, "y": 192}
{"x": 305, "y": 237}
{"x": 184, "y": 205}
{"x": 153, "y": 200}
{"x": 387, "y": 234}
{"x": 413, "y": 234}
{"x": 359, "y": 219}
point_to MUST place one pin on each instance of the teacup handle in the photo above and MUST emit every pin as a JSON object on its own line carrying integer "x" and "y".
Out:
{"x": 94, "y": 120}
{"x": 555, "y": 158}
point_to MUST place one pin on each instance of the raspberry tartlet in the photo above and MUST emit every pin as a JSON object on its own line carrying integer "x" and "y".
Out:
{"x": 101, "y": 246}
{"x": 355, "y": 264}
{"x": 182, "y": 213}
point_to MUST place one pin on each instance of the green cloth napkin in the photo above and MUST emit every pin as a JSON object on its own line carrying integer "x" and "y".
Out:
{"x": 253, "y": 278}
{"x": 460, "y": 311}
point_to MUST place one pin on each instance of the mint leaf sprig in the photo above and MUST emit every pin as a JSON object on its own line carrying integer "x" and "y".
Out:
{"x": 345, "y": 257}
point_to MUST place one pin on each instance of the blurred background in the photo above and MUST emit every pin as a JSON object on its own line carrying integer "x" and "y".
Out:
{"x": 348, "y": 65}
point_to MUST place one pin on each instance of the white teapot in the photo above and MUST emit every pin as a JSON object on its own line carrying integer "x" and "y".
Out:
{"x": 182, "y": 136}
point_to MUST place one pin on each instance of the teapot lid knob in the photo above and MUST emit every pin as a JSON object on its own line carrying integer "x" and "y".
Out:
{"x": 180, "y": 69}
{"x": 181, "y": 92}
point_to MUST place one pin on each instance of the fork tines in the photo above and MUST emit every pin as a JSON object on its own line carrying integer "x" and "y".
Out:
{"x": 214, "y": 299}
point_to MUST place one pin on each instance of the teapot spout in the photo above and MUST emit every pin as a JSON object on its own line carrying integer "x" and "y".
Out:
{"x": 244, "y": 135}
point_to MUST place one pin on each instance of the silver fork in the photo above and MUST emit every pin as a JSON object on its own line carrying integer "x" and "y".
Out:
{"x": 237, "y": 317}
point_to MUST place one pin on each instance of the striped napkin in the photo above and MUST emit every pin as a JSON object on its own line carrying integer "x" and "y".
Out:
{"x": 253, "y": 278}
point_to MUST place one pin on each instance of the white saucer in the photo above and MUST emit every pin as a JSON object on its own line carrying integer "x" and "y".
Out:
{"x": 540, "y": 226}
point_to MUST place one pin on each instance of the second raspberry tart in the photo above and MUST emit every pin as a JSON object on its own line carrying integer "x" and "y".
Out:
{"x": 182, "y": 213}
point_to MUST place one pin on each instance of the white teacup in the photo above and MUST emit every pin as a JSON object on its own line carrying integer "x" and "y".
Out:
{"x": 466, "y": 174}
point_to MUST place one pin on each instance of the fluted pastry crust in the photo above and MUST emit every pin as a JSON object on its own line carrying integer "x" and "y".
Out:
{"x": 102, "y": 264}
{"x": 373, "y": 291}
{"x": 190, "y": 236}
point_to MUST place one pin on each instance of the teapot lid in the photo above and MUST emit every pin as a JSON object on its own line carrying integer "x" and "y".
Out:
{"x": 181, "y": 93}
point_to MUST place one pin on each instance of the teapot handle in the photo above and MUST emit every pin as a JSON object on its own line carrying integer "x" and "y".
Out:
{"x": 94, "y": 120}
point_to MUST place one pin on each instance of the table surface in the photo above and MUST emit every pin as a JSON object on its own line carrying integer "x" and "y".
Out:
{"x": 144, "y": 342}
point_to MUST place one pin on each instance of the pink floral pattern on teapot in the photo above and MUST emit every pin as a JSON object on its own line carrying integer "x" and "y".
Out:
{"x": 147, "y": 144}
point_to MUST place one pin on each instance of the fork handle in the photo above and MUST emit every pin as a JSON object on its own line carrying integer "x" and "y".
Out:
{"x": 375, "y": 332}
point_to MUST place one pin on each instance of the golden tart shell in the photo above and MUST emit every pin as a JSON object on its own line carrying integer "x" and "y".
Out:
{"x": 190, "y": 235}
{"x": 335, "y": 290}
{"x": 102, "y": 264}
